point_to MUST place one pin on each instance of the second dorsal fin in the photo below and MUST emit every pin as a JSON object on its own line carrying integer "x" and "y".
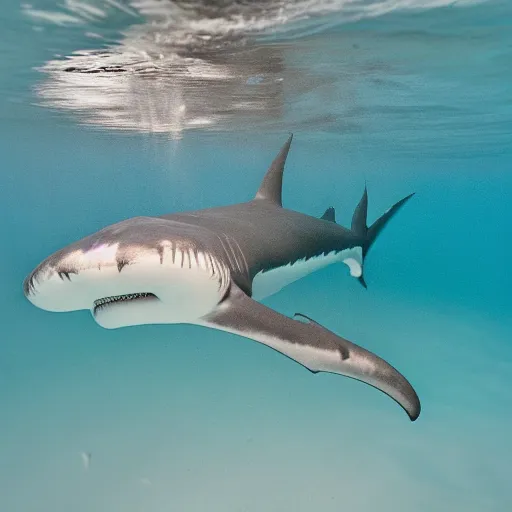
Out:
{"x": 272, "y": 184}
{"x": 329, "y": 215}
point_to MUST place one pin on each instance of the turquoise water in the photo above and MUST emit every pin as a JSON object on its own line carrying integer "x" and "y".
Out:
{"x": 180, "y": 418}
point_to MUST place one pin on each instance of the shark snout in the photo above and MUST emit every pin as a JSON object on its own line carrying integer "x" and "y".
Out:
{"x": 144, "y": 270}
{"x": 128, "y": 283}
{"x": 75, "y": 277}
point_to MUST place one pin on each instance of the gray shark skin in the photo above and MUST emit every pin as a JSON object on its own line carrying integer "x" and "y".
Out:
{"x": 211, "y": 267}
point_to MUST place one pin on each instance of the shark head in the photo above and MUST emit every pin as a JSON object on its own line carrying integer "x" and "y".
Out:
{"x": 140, "y": 271}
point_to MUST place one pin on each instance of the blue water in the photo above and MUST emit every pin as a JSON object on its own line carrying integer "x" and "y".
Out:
{"x": 180, "y": 418}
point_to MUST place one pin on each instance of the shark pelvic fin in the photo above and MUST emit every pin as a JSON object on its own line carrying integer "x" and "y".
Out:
{"x": 272, "y": 184}
{"x": 329, "y": 215}
{"x": 311, "y": 345}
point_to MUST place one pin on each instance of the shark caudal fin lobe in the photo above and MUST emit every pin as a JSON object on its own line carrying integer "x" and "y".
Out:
{"x": 370, "y": 234}
{"x": 272, "y": 185}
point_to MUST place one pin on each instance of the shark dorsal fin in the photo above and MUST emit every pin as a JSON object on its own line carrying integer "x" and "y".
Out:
{"x": 329, "y": 215}
{"x": 272, "y": 184}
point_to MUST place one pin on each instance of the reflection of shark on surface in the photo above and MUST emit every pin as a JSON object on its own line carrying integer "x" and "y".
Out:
{"x": 155, "y": 77}
{"x": 209, "y": 268}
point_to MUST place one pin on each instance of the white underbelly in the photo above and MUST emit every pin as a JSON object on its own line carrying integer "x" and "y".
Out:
{"x": 270, "y": 282}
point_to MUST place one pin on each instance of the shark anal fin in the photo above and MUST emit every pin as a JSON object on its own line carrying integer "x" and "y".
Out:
{"x": 311, "y": 345}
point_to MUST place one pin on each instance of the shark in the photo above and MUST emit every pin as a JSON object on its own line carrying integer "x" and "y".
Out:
{"x": 213, "y": 267}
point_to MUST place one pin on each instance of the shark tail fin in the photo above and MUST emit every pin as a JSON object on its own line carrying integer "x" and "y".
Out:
{"x": 370, "y": 234}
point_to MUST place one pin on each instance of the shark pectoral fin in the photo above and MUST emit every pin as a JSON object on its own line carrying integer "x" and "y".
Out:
{"x": 344, "y": 353}
{"x": 311, "y": 345}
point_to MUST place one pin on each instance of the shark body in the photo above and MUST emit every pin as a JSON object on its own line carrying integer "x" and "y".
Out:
{"x": 211, "y": 267}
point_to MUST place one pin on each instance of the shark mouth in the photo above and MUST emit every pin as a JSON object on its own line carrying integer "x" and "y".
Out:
{"x": 105, "y": 302}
